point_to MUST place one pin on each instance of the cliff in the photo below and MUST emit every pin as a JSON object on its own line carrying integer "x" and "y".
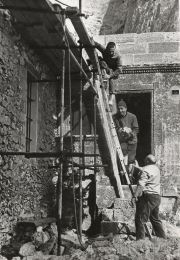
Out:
{"x": 130, "y": 16}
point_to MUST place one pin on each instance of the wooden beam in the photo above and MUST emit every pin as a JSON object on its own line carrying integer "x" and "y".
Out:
{"x": 85, "y": 39}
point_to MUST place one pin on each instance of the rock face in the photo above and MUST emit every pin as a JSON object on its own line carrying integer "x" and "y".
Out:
{"x": 130, "y": 16}
{"x": 152, "y": 16}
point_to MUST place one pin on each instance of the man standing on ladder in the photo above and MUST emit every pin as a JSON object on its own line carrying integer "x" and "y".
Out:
{"x": 111, "y": 62}
{"x": 127, "y": 129}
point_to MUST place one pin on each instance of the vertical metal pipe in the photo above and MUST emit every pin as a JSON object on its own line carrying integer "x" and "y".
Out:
{"x": 80, "y": 147}
{"x": 60, "y": 173}
{"x": 80, "y": 6}
{"x": 95, "y": 159}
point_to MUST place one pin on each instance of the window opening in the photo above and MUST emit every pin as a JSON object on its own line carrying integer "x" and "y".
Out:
{"x": 31, "y": 114}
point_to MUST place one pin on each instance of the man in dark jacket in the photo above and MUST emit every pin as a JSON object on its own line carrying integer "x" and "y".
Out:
{"x": 111, "y": 61}
{"x": 148, "y": 199}
{"x": 127, "y": 129}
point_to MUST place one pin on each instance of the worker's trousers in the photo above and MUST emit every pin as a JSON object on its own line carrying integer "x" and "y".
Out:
{"x": 130, "y": 150}
{"x": 147, "y": 207}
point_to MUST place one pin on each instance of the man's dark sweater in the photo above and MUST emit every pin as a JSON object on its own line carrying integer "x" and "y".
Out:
{"x": 130, "y": 121}
{"x": 114, "y": 63}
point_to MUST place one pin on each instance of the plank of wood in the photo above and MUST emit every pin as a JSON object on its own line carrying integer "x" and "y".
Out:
{"x": 85, "y": 39}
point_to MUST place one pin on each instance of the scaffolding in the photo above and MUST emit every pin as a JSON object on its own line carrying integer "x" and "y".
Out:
{"x": 100, "y": 105}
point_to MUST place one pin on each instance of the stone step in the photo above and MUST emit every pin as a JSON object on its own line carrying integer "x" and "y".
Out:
{"x": 122, "y": 211}
{"x": 106, "y": 196}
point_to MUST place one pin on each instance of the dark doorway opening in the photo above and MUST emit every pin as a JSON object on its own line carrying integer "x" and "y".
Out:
{"x": 140, "y": 105}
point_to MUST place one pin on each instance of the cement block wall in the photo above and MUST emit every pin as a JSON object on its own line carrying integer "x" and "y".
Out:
{"x": 26, "y": 188}
{"x": 155, "y": 49}
{"x": 146, "y": 48}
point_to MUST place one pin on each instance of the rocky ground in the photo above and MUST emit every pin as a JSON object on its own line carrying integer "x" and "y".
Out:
{"x": 113, "y": 247}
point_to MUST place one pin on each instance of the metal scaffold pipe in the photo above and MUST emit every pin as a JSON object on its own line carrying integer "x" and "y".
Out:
{"x": 60, "y": 172}
{"x": 80, "y": 147}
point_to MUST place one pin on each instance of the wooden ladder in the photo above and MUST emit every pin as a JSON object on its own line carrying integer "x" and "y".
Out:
{"x": 104, "y": 110}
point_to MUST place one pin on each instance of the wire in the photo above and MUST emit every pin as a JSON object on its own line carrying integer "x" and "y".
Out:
{"x": 62, "y": 3}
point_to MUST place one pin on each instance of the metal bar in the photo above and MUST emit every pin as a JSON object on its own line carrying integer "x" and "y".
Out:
{"x": 85, "y": 166}
{"x": 29, "y": 9}
{"x": 46, "y": 154}
{"x": 44, "y": 80}
{"x": 80, "y": 147}
{"x": 80, "y": 6}
{"x": 60, "y": 172}
{"x": 95, "y": 159}
{"x": 59, "y": 47}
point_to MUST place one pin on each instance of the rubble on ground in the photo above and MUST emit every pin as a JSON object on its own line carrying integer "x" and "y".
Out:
{"x": 33, "y": 241}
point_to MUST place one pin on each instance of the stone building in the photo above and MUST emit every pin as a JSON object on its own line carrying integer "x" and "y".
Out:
{"x": 29, "y": 105}
{"x": 30, "y": 81}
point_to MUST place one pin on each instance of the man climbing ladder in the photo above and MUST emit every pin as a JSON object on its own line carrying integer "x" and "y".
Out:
{"x": 111, "y": 62}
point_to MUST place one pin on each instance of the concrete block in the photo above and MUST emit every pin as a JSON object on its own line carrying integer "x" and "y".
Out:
{"x": 151, "y": 37}
{"x": 171, "y": 58}
{"x": 118, "y": 38}
{"x": 161, "y": 47}
{"x": 169, "y": 191}
{"x": 124, "y": 215}
{"x": 127, "y": 59}
{"x": 122, "y": 38}
{"x": 105, "y": 196}
{"x": 105, "y": 181}
{"x": 172, "y": 36}
{"x": 167, "y": 205}
{"x": 127, "y": 192}
{"x": 148, "y": 59}
{"x": 123, "y": 210}
{"x": 107, "y": 214}
{"x": 131, "y": 48}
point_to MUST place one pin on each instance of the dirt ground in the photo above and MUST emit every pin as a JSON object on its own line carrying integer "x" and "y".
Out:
{"x": 124, "y": 247}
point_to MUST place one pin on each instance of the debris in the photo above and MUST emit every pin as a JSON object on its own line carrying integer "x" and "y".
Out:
{"x": 27, "y": 249}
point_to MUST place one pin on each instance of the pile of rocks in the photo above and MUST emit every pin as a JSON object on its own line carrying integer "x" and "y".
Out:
{"x": 37, "y": 239}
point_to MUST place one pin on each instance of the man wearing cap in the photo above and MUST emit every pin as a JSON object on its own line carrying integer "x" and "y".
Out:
{"x": 148, "y": 199}
{"x": 127, "y": 129}
{"x": 111, "y": 62}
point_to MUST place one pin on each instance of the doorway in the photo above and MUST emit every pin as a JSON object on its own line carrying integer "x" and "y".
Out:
{"x": 140, "y": 104}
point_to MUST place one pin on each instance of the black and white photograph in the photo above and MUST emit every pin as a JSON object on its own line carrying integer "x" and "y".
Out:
{"x": 89, "y": 130}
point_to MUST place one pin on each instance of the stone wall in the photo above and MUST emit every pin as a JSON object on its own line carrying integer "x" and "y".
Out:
{"x": 25, "y": 188}
{"x": 146, "y": 48}
{"x": 155, "y": 49}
